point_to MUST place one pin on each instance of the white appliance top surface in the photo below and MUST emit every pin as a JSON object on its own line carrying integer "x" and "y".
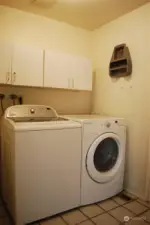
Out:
{"x": 94, "y": 117}
{"x": 36, "y": 117}
{"x": 87, "y": 116}
{"x": 35, "y": 126}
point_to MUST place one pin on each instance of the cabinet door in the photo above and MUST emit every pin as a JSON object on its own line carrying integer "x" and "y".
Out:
{"x": 27, "y": 66}
{"x": 5, "y": 63}
{"x": 56, "y": 70}
{"x": 82, "y": 74}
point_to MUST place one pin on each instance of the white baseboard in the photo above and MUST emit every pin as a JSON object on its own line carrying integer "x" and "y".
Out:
{"x": 136, "y": 194}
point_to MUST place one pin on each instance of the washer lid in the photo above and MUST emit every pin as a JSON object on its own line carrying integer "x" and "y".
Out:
{"x": 39, "y": 126}
{"x": 104, "y": 157}
{"x": 36, "y": 117}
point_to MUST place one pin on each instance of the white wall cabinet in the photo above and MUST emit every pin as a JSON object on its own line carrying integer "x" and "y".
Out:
{"x": 27, "y": 66}
{"x": 5, "y": 63}
{"x": 82, "y": 73}
{"x": 56, "y": 70}
{"x": 67, "y": 71}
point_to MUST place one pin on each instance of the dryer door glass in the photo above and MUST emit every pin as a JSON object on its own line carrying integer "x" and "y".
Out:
{"x": 106, "y": 155}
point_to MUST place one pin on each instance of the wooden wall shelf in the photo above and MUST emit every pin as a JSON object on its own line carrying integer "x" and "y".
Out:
{"x": 120, "y": 64}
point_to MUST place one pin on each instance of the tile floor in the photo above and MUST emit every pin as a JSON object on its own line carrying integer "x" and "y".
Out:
{"x": 113, "y": 211}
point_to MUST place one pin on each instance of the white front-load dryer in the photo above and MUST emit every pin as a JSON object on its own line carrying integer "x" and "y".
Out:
{"x": 103, "y": 157}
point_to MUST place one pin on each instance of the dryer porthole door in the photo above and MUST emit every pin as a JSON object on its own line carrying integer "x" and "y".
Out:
{"x": 104, "y": 157}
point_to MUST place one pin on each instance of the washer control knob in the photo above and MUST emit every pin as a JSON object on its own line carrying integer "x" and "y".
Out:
{"x": 108, "y": 124}
{"x": 32, "y": 111}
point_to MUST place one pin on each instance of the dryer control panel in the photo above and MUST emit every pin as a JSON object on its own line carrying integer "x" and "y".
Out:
{"x": 108, "y": 124}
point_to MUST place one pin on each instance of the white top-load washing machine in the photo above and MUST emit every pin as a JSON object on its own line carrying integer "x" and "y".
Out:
{"x": 41, "y": 162}
{"x": 103, "y": 156}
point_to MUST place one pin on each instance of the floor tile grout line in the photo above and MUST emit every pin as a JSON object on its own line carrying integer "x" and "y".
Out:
{"x": 84, "y": 213}
{"x": 104, "y": 211}
{"x": 125, "y": 202}
{"x": 89, "y": 218}
{"x": 109, "y": 209}
{"x": 144, "y": 212}
{"x": 80, "y": 222}
{"x": 85, "y": 221}
{"x": 143, "y": 204}
{"x": 112, "y": 208}
{"x": 110, "y": 214}
{"x": 64, "y": 220}
{"x": 137, "y": 202}
{"x": 132, "y": 200}
{"x": 114, "y": 218}
{"x": 92, "y": 221}
{"x": 134, "y": 212}
{"x": 129, "y": 210}
{"x": 98, "y": 215}
{"x": 102, "y": 208}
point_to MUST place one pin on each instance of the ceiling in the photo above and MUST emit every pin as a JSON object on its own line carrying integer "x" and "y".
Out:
{"x": 88, "y": 14}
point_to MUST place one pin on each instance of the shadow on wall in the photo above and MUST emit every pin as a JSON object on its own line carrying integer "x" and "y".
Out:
{"x": 64, "y": 101}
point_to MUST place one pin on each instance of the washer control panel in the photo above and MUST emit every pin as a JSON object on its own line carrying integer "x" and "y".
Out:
{"x": 30, "y": 111}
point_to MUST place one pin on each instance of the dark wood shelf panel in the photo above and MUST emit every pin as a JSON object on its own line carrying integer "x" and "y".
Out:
{"x": 121, "y": 59}
{"x": 119, "y": 75}
{"x": 119, "y": 67}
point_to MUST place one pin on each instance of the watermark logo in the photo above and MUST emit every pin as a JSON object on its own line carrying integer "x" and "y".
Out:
{"x": 126, "y": 218}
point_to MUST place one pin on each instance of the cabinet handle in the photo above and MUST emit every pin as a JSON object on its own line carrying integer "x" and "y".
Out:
{"x": 14, "y": 77}
{"x": 7, "y": 77}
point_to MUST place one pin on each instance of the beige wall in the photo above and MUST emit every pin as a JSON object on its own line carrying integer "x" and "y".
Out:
{"x": 126, "y": 97}
{"x": 64, "y": 101}
{"x": 23, "y": 27}
{"x": 17, "y": 26}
